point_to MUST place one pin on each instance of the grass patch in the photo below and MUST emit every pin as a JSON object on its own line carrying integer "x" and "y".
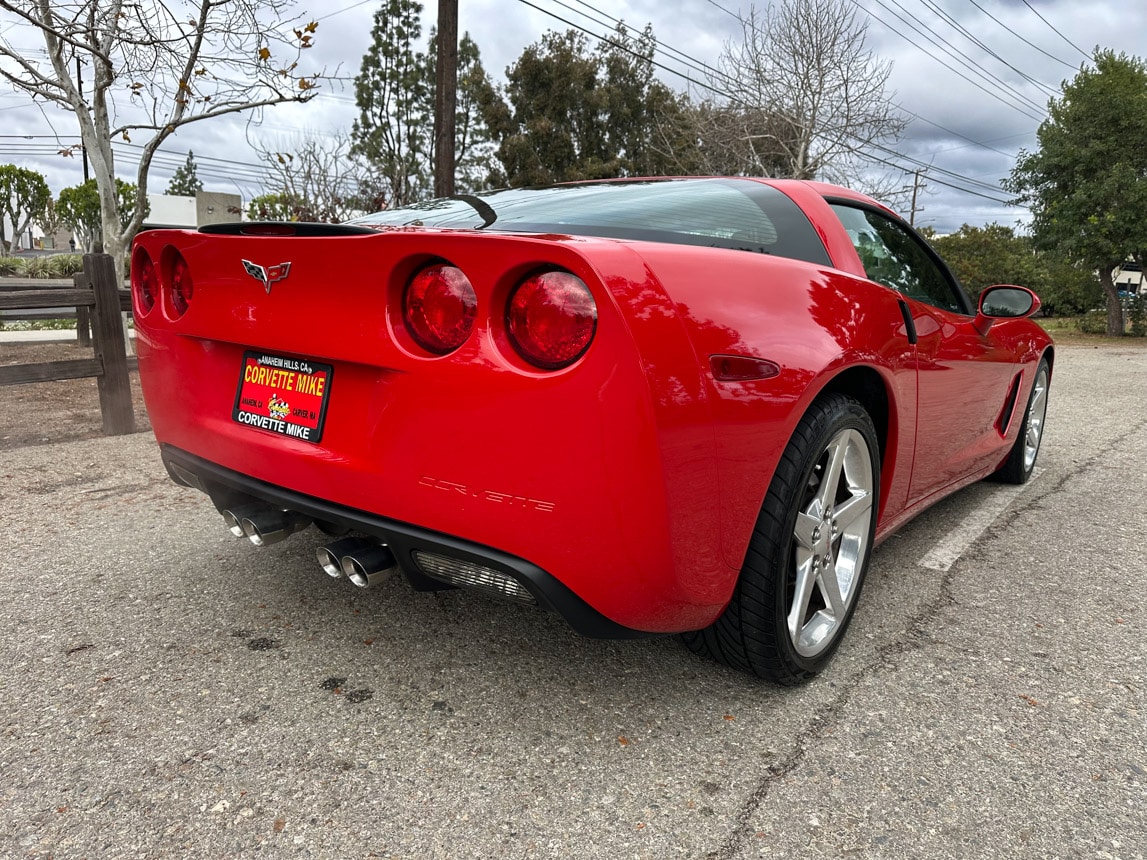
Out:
{"x": 1085, "y": 330}
{"x": 1059, "y": 325}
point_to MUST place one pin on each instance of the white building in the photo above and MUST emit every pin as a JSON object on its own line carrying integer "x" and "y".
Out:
{"x": 1129, "y": 278}
{"x": 206, "y": 207}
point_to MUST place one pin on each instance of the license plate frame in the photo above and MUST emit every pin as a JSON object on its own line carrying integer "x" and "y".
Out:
{"x": 284, "y": 395}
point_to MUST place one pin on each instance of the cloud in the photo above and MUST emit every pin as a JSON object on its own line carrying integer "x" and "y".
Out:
{"x": 964, "y": 128}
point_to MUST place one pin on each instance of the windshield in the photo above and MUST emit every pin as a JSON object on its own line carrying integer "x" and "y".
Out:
{"x": 723, "y": 213}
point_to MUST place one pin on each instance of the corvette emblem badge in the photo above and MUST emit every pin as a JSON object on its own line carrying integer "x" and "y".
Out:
{"x": 267, "y": 275}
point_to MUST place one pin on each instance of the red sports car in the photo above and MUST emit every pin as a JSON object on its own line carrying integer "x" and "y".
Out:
{"x": 657, "y": 406}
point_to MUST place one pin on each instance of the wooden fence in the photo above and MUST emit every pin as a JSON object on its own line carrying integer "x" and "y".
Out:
{"x": 99, "y": 303}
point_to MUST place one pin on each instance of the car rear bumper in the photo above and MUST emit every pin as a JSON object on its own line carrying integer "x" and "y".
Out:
{"x": 408, "y": 542}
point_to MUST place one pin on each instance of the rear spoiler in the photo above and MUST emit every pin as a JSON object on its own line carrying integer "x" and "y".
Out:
{"x": 285, "y": 228}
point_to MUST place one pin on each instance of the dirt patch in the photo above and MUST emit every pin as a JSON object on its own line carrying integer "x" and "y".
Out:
{"x": 43, "y": 413}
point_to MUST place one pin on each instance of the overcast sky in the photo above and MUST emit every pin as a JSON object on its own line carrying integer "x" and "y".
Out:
{"x": 975, "y": 75}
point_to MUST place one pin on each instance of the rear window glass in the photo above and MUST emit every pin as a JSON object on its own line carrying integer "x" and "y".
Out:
{"x": 722, "y": 213}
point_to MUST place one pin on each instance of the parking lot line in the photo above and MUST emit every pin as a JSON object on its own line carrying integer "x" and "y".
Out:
{"x": 948, "y": 551}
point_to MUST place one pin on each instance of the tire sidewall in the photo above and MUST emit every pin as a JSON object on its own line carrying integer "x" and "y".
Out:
{"x": 1014, "y": 470}
{"x": 1021, "y": 441}
{"x": 825, "y": 426}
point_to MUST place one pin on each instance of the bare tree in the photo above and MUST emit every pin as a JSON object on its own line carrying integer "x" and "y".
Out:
{"x": 721, "y": 138}
{"x": 154, "y": 67}
{"x": 807, "y": 92}
{"x": 322, "y": 181}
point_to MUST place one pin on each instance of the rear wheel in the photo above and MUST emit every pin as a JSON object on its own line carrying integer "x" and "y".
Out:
{"x": 808, "y": 552}
{"x": 1021, "y": 460}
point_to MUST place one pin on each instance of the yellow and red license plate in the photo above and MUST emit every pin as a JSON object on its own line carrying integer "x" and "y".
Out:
{"x": 283, "y": 395}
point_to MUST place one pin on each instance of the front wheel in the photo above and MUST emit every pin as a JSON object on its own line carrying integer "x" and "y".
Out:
{"x": 1021, "y": 459}
{"x": 808, "y": 552}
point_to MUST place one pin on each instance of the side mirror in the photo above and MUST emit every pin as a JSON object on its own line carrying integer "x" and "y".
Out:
{"x": 1004, "y": 301}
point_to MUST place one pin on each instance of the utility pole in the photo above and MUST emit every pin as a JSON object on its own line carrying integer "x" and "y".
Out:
{"x": 80, "y": 90}
{"x": 445, "y": 98}
{"x": 917, "y": 184}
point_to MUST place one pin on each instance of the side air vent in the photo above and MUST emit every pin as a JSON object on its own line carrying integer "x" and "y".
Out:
{"x": 1005, "y": 418}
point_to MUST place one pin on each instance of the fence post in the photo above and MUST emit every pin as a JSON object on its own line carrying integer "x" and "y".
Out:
{"x": 108, "y": 334}
{"x": 83, "y": 326}
{"x": 81, "y": 281}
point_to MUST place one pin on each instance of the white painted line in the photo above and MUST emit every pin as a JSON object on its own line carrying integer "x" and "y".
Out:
{"x": 948, "y": 551}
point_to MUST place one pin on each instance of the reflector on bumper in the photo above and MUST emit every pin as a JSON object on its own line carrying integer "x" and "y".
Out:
{"x": 466, "y": 574}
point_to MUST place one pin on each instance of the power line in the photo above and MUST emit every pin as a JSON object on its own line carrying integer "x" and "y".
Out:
{"x": 884, "y": 161}
{"x": 247, "y": 172}
{"x": 913, "y": 114}
{"x": 987, "y": 186}
{"x": 1021, "y": 38}
{"x": 621, "y": 47}
{"x": 1001, "y": 86}
{"x": 1002, "y": 92}
{"x": 1042, "y": 18}
{"x": 680, "y": 56}
{"x": 732, "y": 98}
{"x": 344, "y": 9}
{"x": 970, "y": 142}
{"x": 975, "y": 40}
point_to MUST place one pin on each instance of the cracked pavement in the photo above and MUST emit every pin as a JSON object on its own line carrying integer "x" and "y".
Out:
{"x": 170, "y": 691}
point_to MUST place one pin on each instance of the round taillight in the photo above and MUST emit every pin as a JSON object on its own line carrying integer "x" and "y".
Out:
{"x": 439, "y": 308}
{"x": 182, "y": 288}
{"x": 551, "y": 319}
{"x": 146, "y": 281}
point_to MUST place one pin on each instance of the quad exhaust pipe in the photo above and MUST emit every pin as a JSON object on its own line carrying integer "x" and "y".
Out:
{"x": 262, "y": 525}
{"x": 331, "y": 556}
{"x": 363, "y": 562}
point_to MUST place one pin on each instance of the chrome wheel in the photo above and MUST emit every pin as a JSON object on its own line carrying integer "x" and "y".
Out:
{"x": 1037, "y": 410}
{"x": 831, "y": 536}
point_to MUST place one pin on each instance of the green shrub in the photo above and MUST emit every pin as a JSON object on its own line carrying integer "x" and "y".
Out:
{"x": 11, "y": 267}
{"x": 1093, "y": 322}
{"x": 65, "y": 265}
{"x": 1137, "y": 316}
{"x": 54, "y": 266}
{"x": 36, "y": 267}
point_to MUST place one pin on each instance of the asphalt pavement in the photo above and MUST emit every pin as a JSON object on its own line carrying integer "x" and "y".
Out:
{"x": 170, "y": 691}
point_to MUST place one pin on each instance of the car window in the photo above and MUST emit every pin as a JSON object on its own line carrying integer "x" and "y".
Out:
{"x": 893, "y": 256}
{"x": 739, "y": 214}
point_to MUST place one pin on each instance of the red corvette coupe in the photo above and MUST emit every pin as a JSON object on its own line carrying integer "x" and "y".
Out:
{"x": 657, "y": 406}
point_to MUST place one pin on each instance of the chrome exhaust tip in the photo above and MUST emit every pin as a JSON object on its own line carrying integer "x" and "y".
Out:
{"x": 270, "y": 525}
{"x": 369, "y": 566}
{"x": 233, "y": 517}
{"x": 331, "y": 555}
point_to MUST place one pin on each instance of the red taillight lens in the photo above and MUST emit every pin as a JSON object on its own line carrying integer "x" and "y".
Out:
{"x": 146, "y": 281}
{"x": 439, "y": 308}
{"x": 551, "y": 319}
{"x": 182, "y": 288}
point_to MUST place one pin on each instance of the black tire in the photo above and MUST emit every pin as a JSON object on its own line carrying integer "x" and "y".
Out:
{"x": 754, "y": 634}
{"x": 1018, "y": 468}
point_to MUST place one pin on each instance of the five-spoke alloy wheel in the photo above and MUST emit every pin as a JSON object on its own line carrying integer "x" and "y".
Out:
{"x": 808, "y": 553}
{"x": 1021, "y": 459}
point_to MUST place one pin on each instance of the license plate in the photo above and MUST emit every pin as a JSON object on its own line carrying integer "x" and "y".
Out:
{"x": 283, "y": 395}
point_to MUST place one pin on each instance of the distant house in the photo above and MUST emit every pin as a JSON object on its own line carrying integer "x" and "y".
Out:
{"x": 1129, "y": 278}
